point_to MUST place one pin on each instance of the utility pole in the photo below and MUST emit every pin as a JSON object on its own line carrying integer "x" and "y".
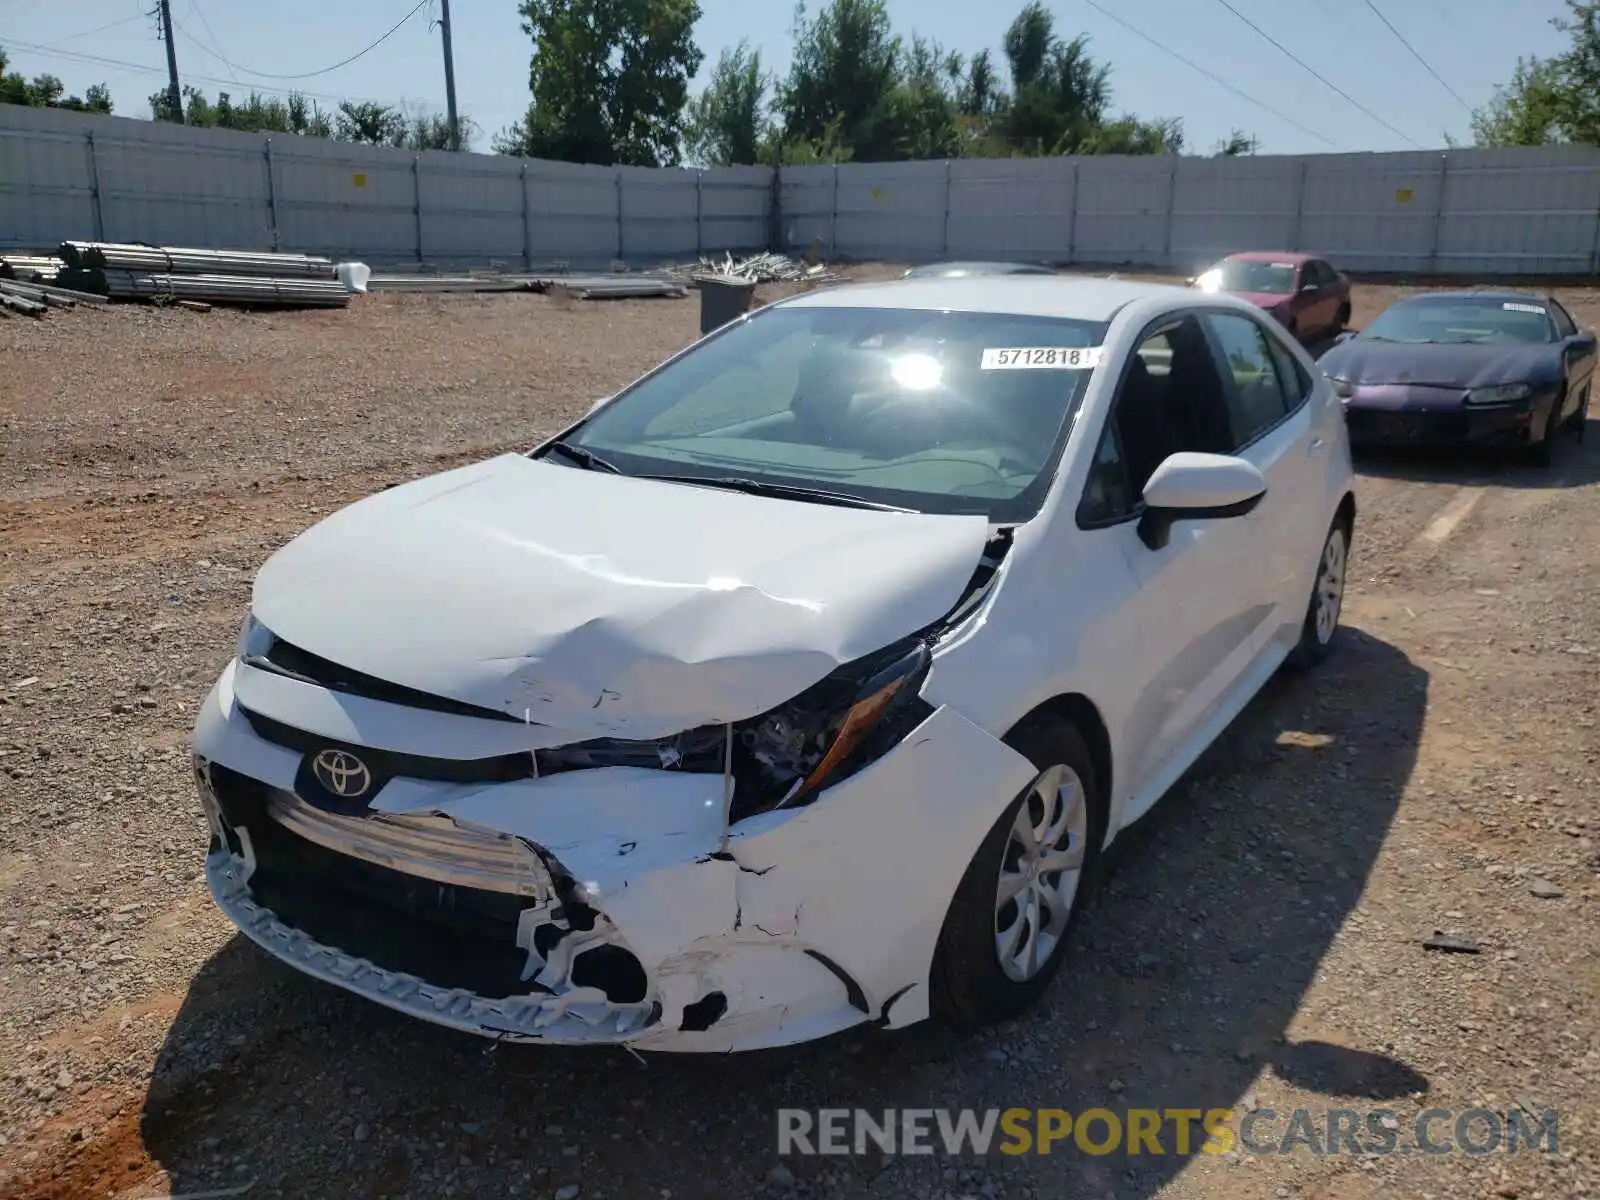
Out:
{"x": 174, "y": 95}
{"x": 449, "y": 74}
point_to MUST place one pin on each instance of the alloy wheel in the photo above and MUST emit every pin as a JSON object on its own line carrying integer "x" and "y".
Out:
{"x": 1040, "y": 871}
{"x": 1330, "y": 585}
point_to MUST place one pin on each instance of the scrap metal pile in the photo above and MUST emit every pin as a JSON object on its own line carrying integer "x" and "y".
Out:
{"x": 763, "y": 268}
{"x": 619, "y": 284}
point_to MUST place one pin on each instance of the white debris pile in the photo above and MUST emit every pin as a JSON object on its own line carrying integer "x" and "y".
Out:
{"x": 763, "y": 268}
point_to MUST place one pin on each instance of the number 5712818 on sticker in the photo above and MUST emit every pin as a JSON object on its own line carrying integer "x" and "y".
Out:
{"x": 1046, "y": 358}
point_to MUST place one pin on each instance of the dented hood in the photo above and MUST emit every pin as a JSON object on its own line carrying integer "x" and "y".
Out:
{"x": 604, "y": 605}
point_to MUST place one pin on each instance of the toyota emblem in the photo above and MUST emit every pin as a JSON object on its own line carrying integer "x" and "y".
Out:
{"x": 342, "y": 773}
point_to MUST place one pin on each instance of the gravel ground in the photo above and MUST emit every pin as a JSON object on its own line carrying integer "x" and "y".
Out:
{"x": 1257, "y": 946}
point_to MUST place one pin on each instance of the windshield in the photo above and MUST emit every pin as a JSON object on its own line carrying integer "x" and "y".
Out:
{"x": 1253, "y": 275}
{"x": 934, "y": 411}
{"x": 1460, "y": 320}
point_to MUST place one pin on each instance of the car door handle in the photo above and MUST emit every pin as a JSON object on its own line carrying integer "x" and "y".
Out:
{"x": 1314, "y": 446}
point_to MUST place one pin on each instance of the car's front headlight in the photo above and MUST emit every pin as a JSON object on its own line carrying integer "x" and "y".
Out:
{"x": 1505, "y": 393}
{"x": 790, "y": 753}
{"x": 829, "y": 731}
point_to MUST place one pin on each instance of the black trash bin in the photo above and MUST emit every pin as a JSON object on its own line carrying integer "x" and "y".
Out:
{"x": 722, "y": 299}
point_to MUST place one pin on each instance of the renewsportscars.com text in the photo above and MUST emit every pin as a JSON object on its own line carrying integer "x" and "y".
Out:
{"x": 1176, "y": 1131}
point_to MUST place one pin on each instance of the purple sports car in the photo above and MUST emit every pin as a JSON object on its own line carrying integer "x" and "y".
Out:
{"x": 1445, "y": 368}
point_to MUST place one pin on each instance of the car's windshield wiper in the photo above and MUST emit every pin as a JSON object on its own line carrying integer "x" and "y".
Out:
{"x": 585, "y": 458}
{"x": 781, "y": 491}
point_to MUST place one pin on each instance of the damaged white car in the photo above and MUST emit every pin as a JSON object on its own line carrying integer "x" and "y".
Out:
{"x": 797, "y": 685}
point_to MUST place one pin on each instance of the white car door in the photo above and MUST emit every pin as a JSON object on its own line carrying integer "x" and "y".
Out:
{"x": 1274, "y": 431}
{"x": 1200, "y": 599}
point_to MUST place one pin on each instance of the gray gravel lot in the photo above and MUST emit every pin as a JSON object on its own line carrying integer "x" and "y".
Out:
{"x": 1257, "y": 943}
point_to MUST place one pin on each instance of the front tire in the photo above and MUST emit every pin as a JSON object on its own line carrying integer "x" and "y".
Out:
{"x": 1321, "y": 626}
{"x": 1579, "y": 420}
{"x": 1541, "y": 453}
{"x": 1006, "y": 931}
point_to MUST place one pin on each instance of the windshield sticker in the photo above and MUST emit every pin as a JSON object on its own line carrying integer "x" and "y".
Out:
{"x": 1042, "y": 358}
{"x": 1509, "y": 306}
{"x": 1284, "y": 266}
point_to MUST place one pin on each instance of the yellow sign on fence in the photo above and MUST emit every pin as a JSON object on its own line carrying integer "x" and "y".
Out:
{"x": 359, "y": 179}
{"x": 1403, "y": 195}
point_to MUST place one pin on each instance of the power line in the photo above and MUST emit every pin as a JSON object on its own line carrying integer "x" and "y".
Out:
{"x": 1318, "y": 75}
{"x": 73, "y": 37}
{"x": 344, "y": 62}
{"x": 194, "y": 7}
{"x": 1216, "y": 79}
{"x": 145, "y": 69}
{"x": 1414, "y": 54}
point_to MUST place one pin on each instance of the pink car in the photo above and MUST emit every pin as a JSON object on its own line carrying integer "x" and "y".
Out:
{"x": 1307, "y": 296}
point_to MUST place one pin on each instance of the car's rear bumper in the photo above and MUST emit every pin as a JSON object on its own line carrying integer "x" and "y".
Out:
{"x": 612, "y": 905}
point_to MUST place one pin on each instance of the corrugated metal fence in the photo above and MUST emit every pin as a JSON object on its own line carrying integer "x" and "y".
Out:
{"x": 1479, "y": 211}
{"x": 67, "y": 175}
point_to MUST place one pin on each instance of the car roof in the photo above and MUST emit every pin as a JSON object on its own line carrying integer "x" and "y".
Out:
{"x": 1496, "y": 295}
{"x": 1283, "y": 256}
{"x": 1073, "y": 297}
{"x": 979, "y": 268}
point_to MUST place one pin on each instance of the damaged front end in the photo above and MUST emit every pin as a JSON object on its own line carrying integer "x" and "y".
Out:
{"x": 754, "y": 883}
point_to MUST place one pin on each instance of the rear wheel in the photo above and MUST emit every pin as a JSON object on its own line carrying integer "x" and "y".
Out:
{"x": 1327, "y": 598}
{"x": 1006, "y": 931}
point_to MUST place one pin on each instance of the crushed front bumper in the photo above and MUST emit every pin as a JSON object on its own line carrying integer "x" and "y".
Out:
{"x": 1376, "y": 418}
{"x": 609, "y": 905}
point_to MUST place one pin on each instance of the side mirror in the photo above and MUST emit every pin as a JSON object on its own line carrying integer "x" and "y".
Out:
{"x": 1190, "y": 486}
{"x": 1189, "y": 282}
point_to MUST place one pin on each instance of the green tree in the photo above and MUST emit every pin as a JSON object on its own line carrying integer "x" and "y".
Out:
{"x": 1577, "y": 92}
{"x": 46, "y": 91}
{"x": 727, "y": 122}
{"x": 846, "y": 67}
{"x": 980, "y": 94}
{"x": 609, "y": 81}
{"x": 923, "y": 106}
{"x": 1129, "y": 135}
{"x": 425, "y": 130}
{"x": 1550, "y": 99}
{"x": 369, "y": 123}
{"x": 1237, "y": 143}
{"x": 1524, "y": 112}
{"x": 254, "y": 114}
{"x": 1059, "y": 92}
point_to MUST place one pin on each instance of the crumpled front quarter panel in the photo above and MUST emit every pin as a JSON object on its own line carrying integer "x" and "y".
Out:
{"x": 863, "y": 876}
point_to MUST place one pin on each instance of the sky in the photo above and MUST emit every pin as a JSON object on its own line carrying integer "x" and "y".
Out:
{"x": 255, "y": 43}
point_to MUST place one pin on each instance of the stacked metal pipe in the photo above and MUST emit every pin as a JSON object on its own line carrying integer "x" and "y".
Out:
{"x": 177, "y": 260}
{"x": 226, "y": 289}
{"x": 176, "y": 273}
{"x": 35, "y": 267}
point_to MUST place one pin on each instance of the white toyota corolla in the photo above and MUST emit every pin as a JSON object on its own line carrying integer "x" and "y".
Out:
{"x": 796, "y": 686}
